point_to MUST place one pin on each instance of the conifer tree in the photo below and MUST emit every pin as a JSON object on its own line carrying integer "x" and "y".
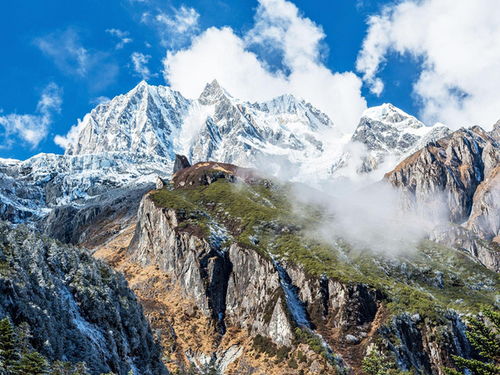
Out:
{"x": 8, "y": 348}
{"x": 377, "y": 363}
{"x": 32, "y": 364}
{"x": 483, "y": 333}
{"x": 68, "y": 368}
{"x": 23, "y": 334}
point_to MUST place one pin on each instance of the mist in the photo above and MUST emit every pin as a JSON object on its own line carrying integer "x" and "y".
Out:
{"x": 361, "y": 208}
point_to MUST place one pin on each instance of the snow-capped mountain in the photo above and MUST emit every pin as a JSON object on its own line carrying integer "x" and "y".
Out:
{"x": 389, "y": 135}
{"x": 143, "y": 121}
{"x": 388, "y": 129}
{"x": 132, "y": 139}
{"x": 281, "y": 131}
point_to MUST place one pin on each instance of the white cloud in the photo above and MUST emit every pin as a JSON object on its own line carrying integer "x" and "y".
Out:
{"x": 182, "y": 20}
{"x": 71, "y": 137}
{"x": 33, "y": 128}
{"x": 456, "y": 43}
{"x": 140, "y": 62}
{"x": 72, "y": 58}
{"x": 174, "y": 28}
{"x": 123, "y": 36}
{"x": 191, "y": 126}
{"x": 99, "y": 100}
{"x": 279, "y": 30}
{"x": 66, "y": 51}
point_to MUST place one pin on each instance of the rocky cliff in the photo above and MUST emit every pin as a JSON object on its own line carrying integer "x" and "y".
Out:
{"x": 77, "y": 309}
{"x": 457, "y": 177}
{"x": 229, "y": 261}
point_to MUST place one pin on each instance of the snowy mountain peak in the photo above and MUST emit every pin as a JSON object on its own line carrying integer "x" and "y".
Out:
{"x": 387, "y": 130}
{"x": 141, "y": 86}
{"x": 140, "y": 121}
{"x": 212, "y": 93}
{"x": 389, "y": 114}
{"x": 285, "y": 103}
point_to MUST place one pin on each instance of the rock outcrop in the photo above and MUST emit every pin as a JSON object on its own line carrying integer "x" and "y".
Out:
{"x": 204, "y": 173}
{"x": 180, "y": 162}
{"x": 484, "y": 219}
{"x": 239, "y": 287}
{"x": 457, "y": 177}
{"x": 96, "y": 221}
{"x": 77, "y": 308}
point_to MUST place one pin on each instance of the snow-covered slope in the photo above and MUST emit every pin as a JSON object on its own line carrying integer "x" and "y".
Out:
{"x": 389, "y": 135}
{"x": 142, "y": 121}
{"x": 283, "y": 131}
{"x": 133, "y": 138}
{"x": 29, "y": 189}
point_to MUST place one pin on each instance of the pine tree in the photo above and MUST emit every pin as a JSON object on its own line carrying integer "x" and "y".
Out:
{"x": 32, "y": 364}
{"x": 8, "y": 348}
{"x": 23, "y": 334}
{"x": 484, "y": 336}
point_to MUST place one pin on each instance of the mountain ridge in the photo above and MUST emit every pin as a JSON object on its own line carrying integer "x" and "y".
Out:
{"x": 236, "y": 273}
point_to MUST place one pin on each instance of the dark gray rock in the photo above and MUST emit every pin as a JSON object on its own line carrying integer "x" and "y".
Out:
{"x": 181, "y": 162}
{"x": 88, "y": 223}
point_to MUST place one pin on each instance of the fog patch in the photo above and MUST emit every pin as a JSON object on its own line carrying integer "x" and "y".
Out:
{"x": 193, "y": 124}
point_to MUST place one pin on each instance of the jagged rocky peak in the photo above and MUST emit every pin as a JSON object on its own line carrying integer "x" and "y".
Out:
{"x": 390, "y": 114}
{"x": 180, "y": 162}
{"x": 458, "y": 176}
{"x": 389, "y": 129}
{"x": 390, "y": 134}
{"x": 212, "y": 93}
{"x": 205, "y": 173}
{"x": 141, "y": 121}
{"x": 495, "y": 132}
{"x": 245, "y": 134}
{"x": 455, "y": 164}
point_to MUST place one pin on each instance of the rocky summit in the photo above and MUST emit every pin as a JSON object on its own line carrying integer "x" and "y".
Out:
{"x": 205, "y": 236}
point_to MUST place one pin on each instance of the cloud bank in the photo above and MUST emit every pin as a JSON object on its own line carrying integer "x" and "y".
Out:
{"x": 238, "y": 63}
{"x": 457, "y": 46}
{"x": 32, "y": 128}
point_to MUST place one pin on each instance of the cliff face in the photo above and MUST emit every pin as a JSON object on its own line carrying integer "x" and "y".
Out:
{"x": 97, "y": 220}
{"x": 78, "y": 309}
{"x": 457, "y": 176}
{"x": 217, "y": 279}
{"x": 240, "y": 287}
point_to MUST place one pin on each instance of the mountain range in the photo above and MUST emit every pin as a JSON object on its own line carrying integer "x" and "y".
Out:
{"x": 233, "y": 273}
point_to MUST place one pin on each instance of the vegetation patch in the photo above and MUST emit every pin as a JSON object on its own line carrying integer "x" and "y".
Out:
{"x": 261, "y": 217}
{"x": 265, "y": 345}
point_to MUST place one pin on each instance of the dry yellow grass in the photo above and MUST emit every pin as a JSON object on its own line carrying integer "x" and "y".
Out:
{"x": 182, "y": 328}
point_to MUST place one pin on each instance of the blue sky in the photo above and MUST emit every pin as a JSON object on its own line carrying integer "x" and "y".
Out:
{"x": 81, "y": 52}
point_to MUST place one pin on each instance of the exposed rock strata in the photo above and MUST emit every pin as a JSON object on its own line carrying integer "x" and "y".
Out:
{"x": 456, "y": 178}
{"x": 255, "y": 301}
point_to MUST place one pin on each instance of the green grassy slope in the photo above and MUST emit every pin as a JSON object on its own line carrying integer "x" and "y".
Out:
{"x": 260, "y": 216}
